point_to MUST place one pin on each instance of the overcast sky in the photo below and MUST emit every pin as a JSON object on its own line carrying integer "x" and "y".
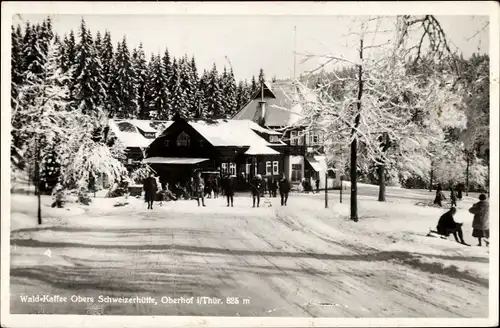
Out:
{"x": 250, "y": 42}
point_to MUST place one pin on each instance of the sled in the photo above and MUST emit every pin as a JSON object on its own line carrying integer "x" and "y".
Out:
{"x": 435, "y": 234}
{"x": 267, "y": 202}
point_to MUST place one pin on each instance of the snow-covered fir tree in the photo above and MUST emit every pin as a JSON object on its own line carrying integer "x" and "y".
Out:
{"x": 242, "y": 95}
{"x": 229, "y": 93}
{"x": 141, "y": 74}
{"x": 89, "y": 89}
{"x": 200, "y": 97}
{"x": 125, "y": 82}
{"x": 253, "y": 86}
{"x": 188, "y": 87}
{"x": 213, "y": 94}
{"x": 33, "y": 46}
{"x": 262, "y": 77}
{"x": 16, "y": 62}
{"x": 157, "y": 91}
{"x": 178, "y": 96}
{"x": 107, "y": 62}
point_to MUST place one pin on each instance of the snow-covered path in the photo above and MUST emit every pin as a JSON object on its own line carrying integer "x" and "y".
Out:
{"x": 299, "y": 260}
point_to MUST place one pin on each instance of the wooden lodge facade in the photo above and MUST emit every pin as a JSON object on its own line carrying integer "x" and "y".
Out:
{"x": 240, "y": 148}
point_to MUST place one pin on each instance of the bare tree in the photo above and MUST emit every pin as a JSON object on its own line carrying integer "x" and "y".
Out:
{"x": 384, "y": 108}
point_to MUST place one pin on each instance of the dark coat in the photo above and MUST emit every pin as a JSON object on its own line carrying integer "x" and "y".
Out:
{"x": 446, "y": 223}
{"x": 439, "y": 197}
{"x": 199, "y": 184}
{"x": 284, "y": 186}
{"x": 150, "y": 188}
{"x": 228, "y": 185}
{"x": 256, "y": 186}
{"x": 274, "y": 185}
{"x": 453, "y": 195}
{"x": 481, "y": 211}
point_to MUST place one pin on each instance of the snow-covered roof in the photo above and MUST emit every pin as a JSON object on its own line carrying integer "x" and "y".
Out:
{"x": 127, "y": 131}
{"x": 283, "y": 107}
{"x": 144, "y": 125}
{"x": 239, "y": 133}
{"x": 261, "y": 149}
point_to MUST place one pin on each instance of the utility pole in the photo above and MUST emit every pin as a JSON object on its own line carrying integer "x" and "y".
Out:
{"x": 341, "y": 187}
{"x": 294, "y": 50}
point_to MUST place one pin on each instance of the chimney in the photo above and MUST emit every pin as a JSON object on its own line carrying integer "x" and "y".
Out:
{"x": 261, "y": 110}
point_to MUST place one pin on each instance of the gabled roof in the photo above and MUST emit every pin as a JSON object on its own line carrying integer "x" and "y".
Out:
{"x": 127, "y": 131}
{"x": 232, "y": 133}
{"x": 282, "y": 105}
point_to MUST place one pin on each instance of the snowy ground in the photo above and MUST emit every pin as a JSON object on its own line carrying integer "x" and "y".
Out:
{"x": 299, "y": 260}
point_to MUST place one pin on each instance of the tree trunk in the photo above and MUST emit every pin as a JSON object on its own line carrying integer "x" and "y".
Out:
{"x": 354, "y": 143}
{"x": 326, "y": 189}
{"x": 354, "y": 186}
{"x": 37, "y": 182}
{"x": 381, "y": 183}
{"x": 467, "y": 177}
{"x": 432, "y": 180}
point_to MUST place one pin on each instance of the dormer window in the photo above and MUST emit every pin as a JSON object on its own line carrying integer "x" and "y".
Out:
{"x": 274, "y": 139}
{"x": 183, "y": 140}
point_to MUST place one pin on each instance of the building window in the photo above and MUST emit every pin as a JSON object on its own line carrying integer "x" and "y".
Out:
{"x": 293, "y": 138}
{"x": 274, "y": 139}
{"x": 312, "y": 138}
{"x": 183, "y": 140}
{"x": 232, "y": 168}
{"x": 276, "y": 167}
{"x": 268, "y": 168}
{"x": 224, "y": 167}
{"x": 248, "y": 168}
{"x": 300, "y": 138}
{"x": 296, "y": 172}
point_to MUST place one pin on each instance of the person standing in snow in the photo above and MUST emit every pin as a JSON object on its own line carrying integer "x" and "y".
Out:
{"x": 256, "y": 186}
{"x": 453, "y": 196}
{"x": 200, "y": 189}
{"x": 447, "y": 225}
{"x": 317, "y": 185}
{"x": 481, "y": 223}
{"x": 229, "y": 189}
{"x": 284, "y": 190}
{"x": 439, "y": 196}
{"x": 150, "y": 189}
{"x": 460, "y": 190}
{"x": 274, "y": 186}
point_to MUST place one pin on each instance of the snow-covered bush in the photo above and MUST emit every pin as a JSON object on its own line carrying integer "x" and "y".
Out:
{"x": 141, "y": 173}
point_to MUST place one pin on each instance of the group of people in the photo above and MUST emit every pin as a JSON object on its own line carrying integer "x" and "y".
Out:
{"x": 257, "y": 186}
{"x": 480, "y": 224}
{"x": 306, "y": 185}
{"x": 197, "y": 189}
{"x": 455, "y": 194}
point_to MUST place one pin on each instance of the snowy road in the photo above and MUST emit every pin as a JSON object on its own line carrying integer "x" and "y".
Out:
{"x": 299, "y": 260}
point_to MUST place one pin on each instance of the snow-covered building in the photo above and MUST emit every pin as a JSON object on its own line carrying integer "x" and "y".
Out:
{"x": 278, "y": 107}
{"x": 238, "y": 147}
{"x": 136, "y": 135}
